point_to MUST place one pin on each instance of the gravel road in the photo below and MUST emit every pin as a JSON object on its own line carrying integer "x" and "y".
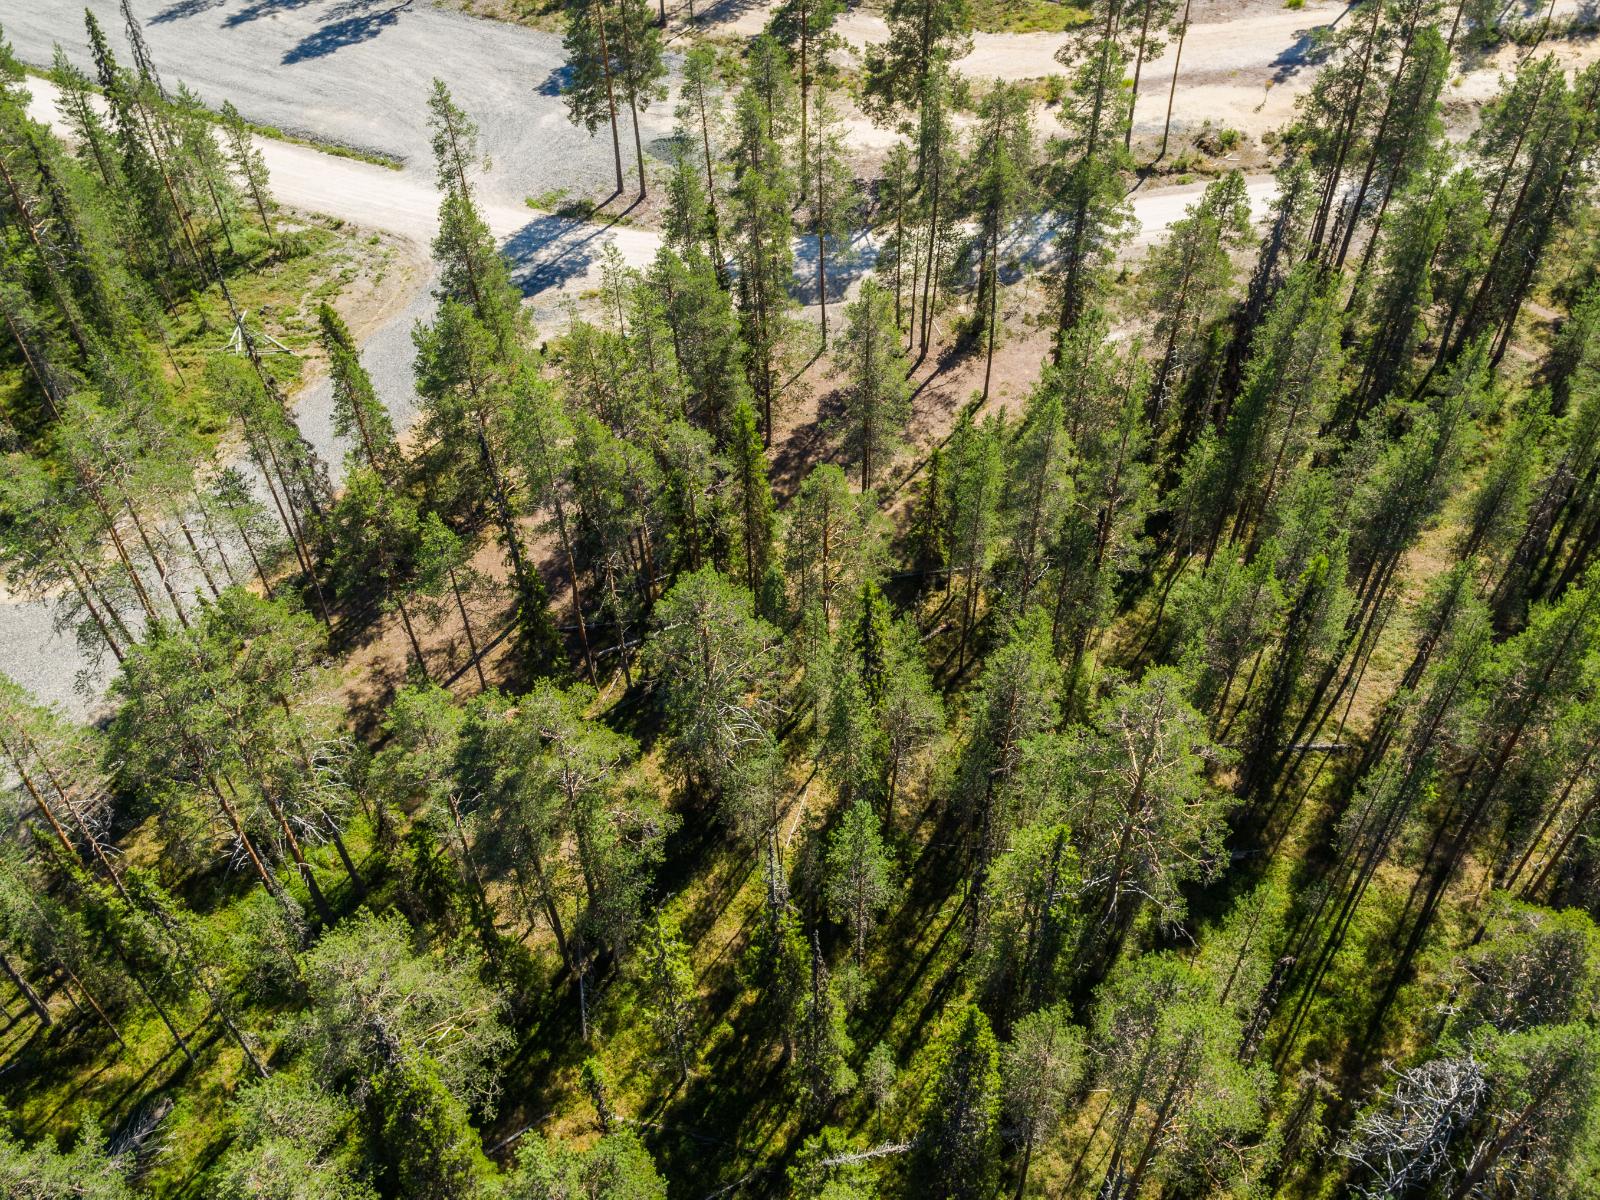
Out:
{"x": 358, "y": 72}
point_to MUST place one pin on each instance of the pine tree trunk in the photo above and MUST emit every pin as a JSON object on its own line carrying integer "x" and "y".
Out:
{"x": 1172, "y": 92}
{"x": 26, "y": 990}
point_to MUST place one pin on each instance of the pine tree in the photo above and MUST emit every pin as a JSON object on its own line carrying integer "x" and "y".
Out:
{"x": 698, "y": 113}
{"x": 590, "y": 90}
{"x": 752, "y": 498}
{"x": 930, "y": 519}
{"x": 464, "y": 390}
{"x": 1087, "y": 191}
{"x": 357, "y": 411}
{"x": 997, "y": 172}
{"x": 1187, "y": 282}
{"x": 860, "y": 874}
{"x": 896, "y": 203}
{"x": 828, "y": 186}
{"x": 248, "y": 165}
{"x": 617, "y": 1167}
{"x": 937, "y": 179}
{"x": 1041, "y": 1067}
{"x": 956, "y": 1153}
{"x": 706, "y": 338}
{"x": 878, "y": 397}
{"x": 1038, "y": 488}
{"x": 429, "y": 1148}
{"x": 1018, "y": 699}
{"x": 761, "y": 203}
{"x": 923, "y": 34}
{"x": 640, "y": 68}
{"x": 830, "y": 546}
{"x": 1149, "y": 819}
{"x": 822, "y": 1047}
{"x": 1154, "y": 16}
{"x": 471, "y": 270}
{"x": 712, "y": 656}
{"x": 976, "y": 484}
{"x": 804, "y": 29}
{"x": 667, "y": 981}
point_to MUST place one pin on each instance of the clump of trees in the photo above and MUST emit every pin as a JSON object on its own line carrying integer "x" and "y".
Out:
{"x": 1188, "y": 790}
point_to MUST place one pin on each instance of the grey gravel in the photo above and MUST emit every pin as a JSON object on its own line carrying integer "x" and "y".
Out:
{"x": 358, "y": 73}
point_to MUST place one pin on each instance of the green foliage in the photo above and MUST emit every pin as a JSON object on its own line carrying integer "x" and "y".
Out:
{"x": 878, "y": 400}
{"x": 818, "y": 1173}
{"x": 428, "y": 1148}
{"x": 955, "y": 1155}
{"x": 423, "y": 1021}
{"x": 1264, "y": 634}
{"x": 860, "y": 874}
{"x": 712, "y": 656}
{"x": 666, "y": 980}
{"x": 617, "y": 1167}
{"x": 292, "y": 1143}
{"x": 43, "y": 1172}
{"x": 822, "y": 1046}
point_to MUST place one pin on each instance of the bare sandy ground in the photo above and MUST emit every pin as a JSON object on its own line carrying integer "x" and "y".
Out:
{"x": 1244, "y": 65}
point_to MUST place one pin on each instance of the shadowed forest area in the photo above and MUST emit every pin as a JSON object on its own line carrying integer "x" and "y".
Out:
{"x": 915, "y": 692}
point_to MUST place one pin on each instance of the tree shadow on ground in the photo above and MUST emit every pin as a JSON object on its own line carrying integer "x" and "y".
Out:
{"x": 182, "y": 10}
{"x": 550, "y": 252}
{"x": 257, "y": 9}
{"x": 354, "y": 23}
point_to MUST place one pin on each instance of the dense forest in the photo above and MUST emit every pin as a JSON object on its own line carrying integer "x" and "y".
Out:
{"x": 1178, "y": 779}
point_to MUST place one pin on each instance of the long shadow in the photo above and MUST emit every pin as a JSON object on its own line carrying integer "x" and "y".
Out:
{"x": 351, "y": 30}
{"x": 802, "y": 450}
{"x": 549, "y": 252}
{"x": 845, "y": 265}
{"x": 182, "y": 10}
{"x": 1311, "y": 48}
{"x": 725, "y": 10}
{"x": 257, "y": 9}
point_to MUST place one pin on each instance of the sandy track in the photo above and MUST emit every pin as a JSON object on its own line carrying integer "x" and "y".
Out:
{"x": 1245, "y": 71}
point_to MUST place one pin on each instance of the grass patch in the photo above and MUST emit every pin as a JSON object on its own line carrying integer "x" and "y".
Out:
{"x": 559, "y": 202}
{"x": 388, "y": 161}
{"x": 1026, "y": 16}
{"x": 279, "y": 290}
{"x": 544, "y": 15}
